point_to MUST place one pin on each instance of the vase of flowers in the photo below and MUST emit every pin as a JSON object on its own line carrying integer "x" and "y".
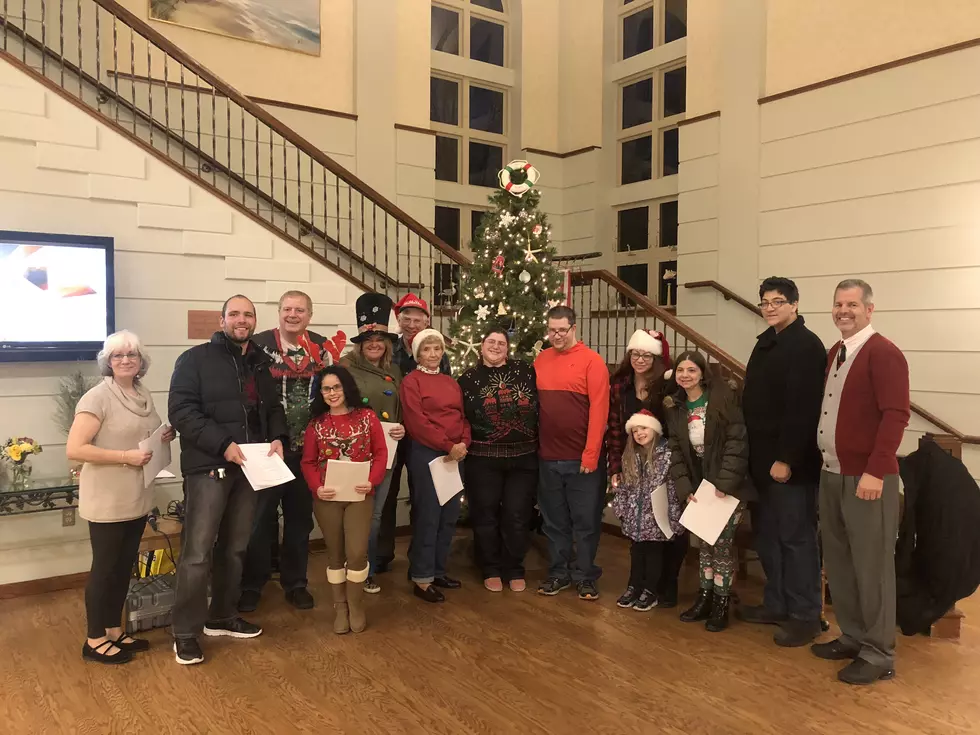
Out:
{"x": 15, "y": 454}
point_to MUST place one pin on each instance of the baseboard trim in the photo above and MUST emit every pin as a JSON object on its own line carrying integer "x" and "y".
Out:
{"x": 40, "y": 586}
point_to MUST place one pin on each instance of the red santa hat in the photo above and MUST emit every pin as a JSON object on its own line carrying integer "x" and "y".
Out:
{"x": 651, "y": 341}
{"x": 647, "y": 419}
{"x": 411, "y": 301}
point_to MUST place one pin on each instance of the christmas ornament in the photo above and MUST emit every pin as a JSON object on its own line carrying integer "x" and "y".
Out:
{"x": 554, "y": 302}
{"x": 525, "y": 276}
{"x": 498, "y": 266}
{"x": 478, "y": 292}
{"x": 529, "y": 253}
{"x": 538, "y": 229}
{"x": 517, "y": 177}
{"x": 501, "y": 309}
{"x": 538, "y": 346}
{"x": 473, "y": 347}
{"x": 507, "y": 219}
{"x": 482, "y": 312}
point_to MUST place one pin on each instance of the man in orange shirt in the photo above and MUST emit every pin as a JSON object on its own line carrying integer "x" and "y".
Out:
{"x": 573, "y": 393}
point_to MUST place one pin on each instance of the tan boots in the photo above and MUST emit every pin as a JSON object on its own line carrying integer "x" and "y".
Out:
{"x": 347, "y": 587}
{"x": 355, "y": 598}
{"x": 338, "y": 588}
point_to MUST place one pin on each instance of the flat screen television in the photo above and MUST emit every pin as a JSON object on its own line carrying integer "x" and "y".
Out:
{"x": 57, "y": 300}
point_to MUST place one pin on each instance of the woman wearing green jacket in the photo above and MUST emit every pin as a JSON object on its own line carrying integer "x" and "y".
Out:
{"x": 378, "y": 379}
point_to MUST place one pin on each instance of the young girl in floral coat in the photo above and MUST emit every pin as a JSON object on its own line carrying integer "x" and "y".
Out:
{"x": 646, "y": 464}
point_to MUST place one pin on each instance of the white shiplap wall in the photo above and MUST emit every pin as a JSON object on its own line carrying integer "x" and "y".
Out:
{"x": 177, "y": 248}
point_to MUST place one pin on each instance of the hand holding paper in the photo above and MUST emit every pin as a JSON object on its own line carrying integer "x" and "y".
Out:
{"x": 263, "y": 468}
{"x": 708, "y": 514}
{"x": 392, "y": 441}
{"x": 446, "y": 478}
{"x": 344, "y": 478}
{"x": 159, "y": 449}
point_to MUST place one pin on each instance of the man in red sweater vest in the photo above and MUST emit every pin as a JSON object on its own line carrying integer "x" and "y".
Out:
{"x": 573, "y": 395}
{"x": 864, "y": 414}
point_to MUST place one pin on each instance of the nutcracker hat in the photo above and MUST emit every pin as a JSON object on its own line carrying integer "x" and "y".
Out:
{"x": 411, "y": 301}
{"x": 652, "y": 342}
{"x": 419, "y": 338}
{"x": 647, "y": 419}
{"x": 373, "y": 312}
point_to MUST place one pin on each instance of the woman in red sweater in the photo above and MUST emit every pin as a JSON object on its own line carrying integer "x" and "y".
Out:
{"x": 342, "y": 430}
{"x": 432, "y": 410}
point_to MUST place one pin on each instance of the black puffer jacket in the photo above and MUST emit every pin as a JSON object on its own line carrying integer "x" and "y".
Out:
{"x": 207, "y": 403}
{"x": 726, "y": 448}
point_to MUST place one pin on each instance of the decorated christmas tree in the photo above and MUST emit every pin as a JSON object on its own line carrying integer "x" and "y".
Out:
{"x": 512, "y": 282}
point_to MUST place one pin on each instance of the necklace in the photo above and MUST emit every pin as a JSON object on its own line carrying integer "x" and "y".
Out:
{"x": 428, "y": 371}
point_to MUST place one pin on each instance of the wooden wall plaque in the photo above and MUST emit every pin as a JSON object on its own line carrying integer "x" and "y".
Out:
{"x": 202, "y": 324}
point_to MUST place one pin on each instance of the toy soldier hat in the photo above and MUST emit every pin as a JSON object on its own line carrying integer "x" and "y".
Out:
{"x": 373, "y": 312}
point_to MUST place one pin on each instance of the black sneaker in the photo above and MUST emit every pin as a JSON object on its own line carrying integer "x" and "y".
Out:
{"x": 646, "y": 601}
{"x": 300, "y": 598}
{"x": 249, "y": 600}
{"x": 235, "y": 628}
{"x": 552, "y": 586}
{"x": 628, "y": 598}
{"x": 371, "y": 586}
{"x": 587, "y": 590}
{"x": 188, "y": 651}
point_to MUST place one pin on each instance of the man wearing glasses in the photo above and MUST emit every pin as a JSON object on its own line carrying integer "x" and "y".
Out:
{"x": 781, "y": 401}
{"x": 573, "y": 395}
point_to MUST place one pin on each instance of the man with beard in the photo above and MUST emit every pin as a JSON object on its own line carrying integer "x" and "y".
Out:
{"x": 221, "y": 395}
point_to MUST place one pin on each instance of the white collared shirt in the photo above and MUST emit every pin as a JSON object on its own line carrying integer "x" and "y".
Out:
{"x": 857, "y": 340}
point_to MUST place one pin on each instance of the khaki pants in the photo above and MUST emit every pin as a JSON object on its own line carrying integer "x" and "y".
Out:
{"x": 346, "y": 529}
{"x": 859, "y": 556}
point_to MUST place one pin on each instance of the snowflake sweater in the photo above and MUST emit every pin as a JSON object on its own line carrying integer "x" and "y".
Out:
{"x": 355, "y": 437}
{"x": 501, "y": 404}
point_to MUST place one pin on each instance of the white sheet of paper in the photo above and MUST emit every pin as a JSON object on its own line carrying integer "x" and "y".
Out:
{"x": 391, "y": 443}
{"x": 161, "y": 455}
{"x": 661, "y": 509}
{"x": 261, "y": 470}
{"x": 165, "y": 475}
{"x": 446, "y": 478}
{"x": 707, "y": 517}
{"x": 344, "y": 476}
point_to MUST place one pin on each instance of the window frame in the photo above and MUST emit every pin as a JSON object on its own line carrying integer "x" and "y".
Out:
{"x": 633, "y": 7}
{"x": 466, "y": 11}
{"x": 654, "y": 255}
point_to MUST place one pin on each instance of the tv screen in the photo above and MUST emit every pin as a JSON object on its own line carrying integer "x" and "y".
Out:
{"x": 56, "y": 296}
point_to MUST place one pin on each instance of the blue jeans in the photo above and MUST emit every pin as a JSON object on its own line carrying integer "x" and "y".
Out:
{"x": 433, "y": 525}
{"x": 380, "y": 496}
{"x": 571, "y": 510}
{"x": 787, "y": 544}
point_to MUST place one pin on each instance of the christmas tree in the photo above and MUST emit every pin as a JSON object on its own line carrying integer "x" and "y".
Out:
{"x": 512, "y": 282}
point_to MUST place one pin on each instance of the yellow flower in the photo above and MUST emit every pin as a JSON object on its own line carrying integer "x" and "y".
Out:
{"x": 14, "y": 453}
{"x": 26, "y": 447}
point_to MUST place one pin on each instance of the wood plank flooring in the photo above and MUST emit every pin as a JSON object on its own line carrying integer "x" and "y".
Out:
{"x": 480, "y": 663}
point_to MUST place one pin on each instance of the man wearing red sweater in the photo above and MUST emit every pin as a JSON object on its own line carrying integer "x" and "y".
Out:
{"x": 864, "y": 414}
{"x": 573, "y": 395}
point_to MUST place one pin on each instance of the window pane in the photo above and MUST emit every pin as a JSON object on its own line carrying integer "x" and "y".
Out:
{"x": 637, "y": 160}
{"x": 447, "y": 158}
{"x": 445, "y": 30}
{"x": 486, "y": 41}
{"x": 485, "y": 161}
{"x": 446, "y": 283}
{"x": 675, "y": 91}
{"x": 637, "y": 103}
{"x": 667, "y": 289}
{"x": 447, "y": 225}
{"x": 635, "y": 276}
{"x": 675, "y": 22}
{"x": 486, "y": 109}
{"x": 637, "y": 33}
{"x": 476, "y": 217}
{"x": 634, "y": 229}
{"x": 444, "y": 101}
{"x": 497, "y": 5}
{"x": 668, "y": 224}
{"x": 671, "y": 153}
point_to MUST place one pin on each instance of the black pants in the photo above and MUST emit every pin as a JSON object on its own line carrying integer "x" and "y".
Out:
{"x": 656, "y": 565}
{"x": 294, "y": 552}
{"x": 218, "y": 518}
{"x": 115, "y": 547}
{"x": 389, "y": 514}
{"x": 500, "y": 493}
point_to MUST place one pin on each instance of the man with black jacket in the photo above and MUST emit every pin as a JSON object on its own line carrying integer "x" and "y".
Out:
{"x": 781, "y": 402}
{"x": 221, "y": 395}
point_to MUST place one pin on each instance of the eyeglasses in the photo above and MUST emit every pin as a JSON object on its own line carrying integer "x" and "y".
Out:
{"x": 641, "y": 356}
{"x": 774, "y": 304}
{"x": 134, "y": 356}
{"x": 561, "y": 332}
{"x": 331, "y": 389}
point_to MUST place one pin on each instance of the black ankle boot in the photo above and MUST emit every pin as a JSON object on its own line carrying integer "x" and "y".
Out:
{"x": 700, "y": 609}
{"x": 718, "y": 620}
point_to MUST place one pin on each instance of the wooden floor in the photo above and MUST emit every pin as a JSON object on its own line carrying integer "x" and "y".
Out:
{"x": 480, "y": 663}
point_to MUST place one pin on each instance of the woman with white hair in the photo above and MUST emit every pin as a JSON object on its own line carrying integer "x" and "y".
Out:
{"x": 110, "y": 422}
{"x": 432, "y": 410}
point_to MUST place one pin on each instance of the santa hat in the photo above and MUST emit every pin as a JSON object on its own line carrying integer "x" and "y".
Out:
{"x": 419, "y": 338}
{"x": 647, "y": 419}
{"x": 652, "y": 342}
{"x": 411, "y": 301}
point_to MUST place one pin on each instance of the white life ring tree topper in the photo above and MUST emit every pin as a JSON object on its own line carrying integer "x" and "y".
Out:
{"x": 517, "y": 177}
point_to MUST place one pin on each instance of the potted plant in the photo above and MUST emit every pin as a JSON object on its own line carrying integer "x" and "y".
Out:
{"x": 70, "y": 391}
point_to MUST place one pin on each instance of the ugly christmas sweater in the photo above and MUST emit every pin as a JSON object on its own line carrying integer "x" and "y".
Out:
{"x": 501, "y": 404}
{"x": 356, "y": 436}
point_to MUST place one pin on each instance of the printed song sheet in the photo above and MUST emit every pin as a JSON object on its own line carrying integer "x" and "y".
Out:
{"x": 344, "y": 476}
{"x": 261, "y": 470}
{"x": 446, "y": 478}
{"x": 707, "y": 517}
{"x": 161, "y": 455}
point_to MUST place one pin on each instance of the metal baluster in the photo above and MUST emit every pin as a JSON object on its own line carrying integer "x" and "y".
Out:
{"x": 258, "y": 157}
{"x": 241, "y": 114}
{"x": 80, "y": 74}
{"x": 166, "y": 101}
{"x": 197, "y": 115}
{"x": 132, "y": 77}
{"x": 373, "y": 262}
{"x": 183, "y": 121}
{"x": 285, "y": 186}
{"x": 350, "y": 229}
{"x": 313, "y": 228}
{"x": 23, "y": 24}
{"x": 337, "y": 202}
{"x": 214, "y": 136}
{"x": 398, "y": 260}
{"x": 98, "y": 56}
{"x": 299, "y": 194}
{"x": 61, "y": 36}
{"x": 228, "y": 140}
{"x": 149, "y": 89}
{"x": 374, "y": 238}
{"x": 44, "y": 24}
{"x": 5, "y": 27}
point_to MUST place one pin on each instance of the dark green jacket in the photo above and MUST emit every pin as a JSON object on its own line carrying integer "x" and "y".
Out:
{"x": 726, "y": 447}
{"x": 379, "y": 388}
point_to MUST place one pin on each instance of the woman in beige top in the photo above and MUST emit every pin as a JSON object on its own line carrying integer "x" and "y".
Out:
{"x": 110, "y": 422}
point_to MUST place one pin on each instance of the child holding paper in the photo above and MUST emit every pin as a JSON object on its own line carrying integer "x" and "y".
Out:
{"x": 708, "y": 443}
{"x": 342, "y": 430}
{"x": 645, "y": 469}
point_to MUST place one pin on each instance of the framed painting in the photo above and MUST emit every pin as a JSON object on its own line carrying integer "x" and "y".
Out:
{"x": 287, "y": 24}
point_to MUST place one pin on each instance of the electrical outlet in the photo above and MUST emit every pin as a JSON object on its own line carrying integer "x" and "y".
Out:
{"x": 67, "y": 517}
